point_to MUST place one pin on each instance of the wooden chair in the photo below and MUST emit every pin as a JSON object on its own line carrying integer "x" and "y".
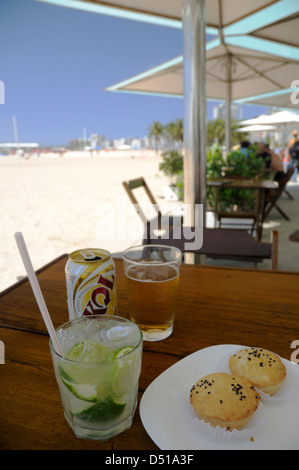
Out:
{"x": 237, "y": 218}
{"x": 226, "y": 244}
{"x": 294, "y": 237}
{"x": 232, "y": 219}
{"x": 274, "y": 194}
{"x": 161, "y": 222}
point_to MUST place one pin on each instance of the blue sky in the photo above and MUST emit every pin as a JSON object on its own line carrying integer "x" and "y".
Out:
{"x": 56, "y": 62}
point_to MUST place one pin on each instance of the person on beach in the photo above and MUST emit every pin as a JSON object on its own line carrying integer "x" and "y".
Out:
{"x": 293, "y": 147}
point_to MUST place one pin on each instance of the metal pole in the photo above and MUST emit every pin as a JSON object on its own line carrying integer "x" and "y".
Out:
{"x": 228, "y": 102}
{"x": 194, "y": 22}
{"x": 15, "y": 129}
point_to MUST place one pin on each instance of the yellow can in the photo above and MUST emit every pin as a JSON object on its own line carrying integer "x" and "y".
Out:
{"x": 90, "y": 283}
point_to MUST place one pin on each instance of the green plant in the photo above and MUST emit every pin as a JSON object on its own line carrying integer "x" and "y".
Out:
{"x": 172, "y": 165}
{"x": 237, "y": 164}
{"x": 180, "y": 185}
{"x": 215, "y": 161}
{"x": 245, "y": 164}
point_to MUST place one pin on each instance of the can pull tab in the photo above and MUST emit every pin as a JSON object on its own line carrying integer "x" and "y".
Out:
{"x": 88, "y": 255}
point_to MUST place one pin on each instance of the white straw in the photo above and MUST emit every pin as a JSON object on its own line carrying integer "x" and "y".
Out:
{"x": 37, "y": 290}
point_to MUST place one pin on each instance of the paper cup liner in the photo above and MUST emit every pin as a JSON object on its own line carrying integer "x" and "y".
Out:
{"x": 284, "y": 393}
{"x": 217, "y": 433}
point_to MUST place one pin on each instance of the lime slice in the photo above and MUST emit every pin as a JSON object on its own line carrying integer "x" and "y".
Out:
{"x": 89, "y": 381}
{"x": 122, "y": 352}
{"x": 89, "y": 351}
{"x": 83, "y": 391}
{"x": 102, "y": 411}
{"x": 125, "y": 374}
{"x": 76, "y": 406}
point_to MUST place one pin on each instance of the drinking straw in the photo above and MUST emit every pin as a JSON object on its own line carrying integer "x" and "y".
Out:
{"x": 37, "y": 290}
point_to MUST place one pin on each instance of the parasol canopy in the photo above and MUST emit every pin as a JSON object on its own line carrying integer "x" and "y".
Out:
{"x": 253, "y": 73}
{"x": 256, "y": 128}
{"x": 281, "y": 117}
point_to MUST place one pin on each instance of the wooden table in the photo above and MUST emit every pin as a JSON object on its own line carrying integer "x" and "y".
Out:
{"x": 259, "y": 185}
{"x": 215, "y": 306}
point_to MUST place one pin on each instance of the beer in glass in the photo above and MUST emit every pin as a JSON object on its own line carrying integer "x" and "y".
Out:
{"x": 152, "y": 274}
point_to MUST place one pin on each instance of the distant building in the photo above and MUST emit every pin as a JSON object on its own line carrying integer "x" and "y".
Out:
{"x": 25, "y": 145}
{"x": 219, "y": 112}
{"x": 97, "y": 141}
{"x": 20, "y": 147}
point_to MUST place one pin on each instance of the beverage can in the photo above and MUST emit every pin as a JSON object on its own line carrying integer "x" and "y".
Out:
{"x": 90, "y": 283}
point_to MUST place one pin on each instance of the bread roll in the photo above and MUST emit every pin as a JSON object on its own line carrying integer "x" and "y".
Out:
{"x": 262, "y": 368}
{"x": 224, "y": 400}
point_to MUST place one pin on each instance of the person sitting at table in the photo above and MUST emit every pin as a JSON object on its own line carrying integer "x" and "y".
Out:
{"x": 245, "y": 147}
{"x": 272, "y": 160}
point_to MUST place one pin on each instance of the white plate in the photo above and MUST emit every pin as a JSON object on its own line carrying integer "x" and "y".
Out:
{"x": 169, "y": 426}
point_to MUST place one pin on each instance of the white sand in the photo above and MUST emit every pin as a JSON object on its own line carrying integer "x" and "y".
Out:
{"x": 76, "y": 201}
{"x": 71, "y": 202}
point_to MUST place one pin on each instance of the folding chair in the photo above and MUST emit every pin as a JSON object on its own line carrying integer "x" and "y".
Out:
{"x": 241, "y": 219}
{"x": 274, "y": 194}
{"x": 164, "y": 221}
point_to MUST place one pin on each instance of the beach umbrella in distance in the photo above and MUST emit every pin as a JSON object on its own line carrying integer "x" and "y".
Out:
{"x": 256, "y": 128}
{"x": 280, "y": 120}
{"x": 281, "y": 117}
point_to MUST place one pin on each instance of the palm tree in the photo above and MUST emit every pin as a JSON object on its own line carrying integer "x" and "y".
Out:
{"x": 175, "y": 131}
{"x": 156, "y": 130}
{"x": 216, "y": 132}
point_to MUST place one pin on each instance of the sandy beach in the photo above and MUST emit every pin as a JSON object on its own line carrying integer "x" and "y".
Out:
{"x": 61, "y": 204}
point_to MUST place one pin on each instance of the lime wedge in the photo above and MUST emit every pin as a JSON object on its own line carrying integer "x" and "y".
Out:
{"x": 102, "y": 411}
{"x": 77, "y": 406}
{"x": 89, "y": 351}
{"x": 125, "y": 374}
{"x": 83, "y": 391}
{"x": 122, "y": 352}
{"x": 83, "y": 377}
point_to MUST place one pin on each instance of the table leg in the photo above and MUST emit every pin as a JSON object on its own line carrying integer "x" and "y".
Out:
{"x": 260, "y": 214}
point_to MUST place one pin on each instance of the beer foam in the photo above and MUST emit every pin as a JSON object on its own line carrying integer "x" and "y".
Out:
{"x": 152, "y": 273}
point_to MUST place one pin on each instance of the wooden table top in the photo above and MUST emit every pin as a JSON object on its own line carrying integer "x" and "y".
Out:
{"x": 242, "y": 183}
{"x": 215, "y": 306}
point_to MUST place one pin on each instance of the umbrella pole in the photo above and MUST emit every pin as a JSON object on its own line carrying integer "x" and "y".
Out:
{"x": 228, "y": 102}
{"x": 194, "y": 23}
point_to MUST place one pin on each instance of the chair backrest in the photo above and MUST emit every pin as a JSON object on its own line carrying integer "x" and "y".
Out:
{"x": 132, "y": 185}
{"x": 274, "y": 194}
{"x": 228, "y": 244}
{"x": 286, "y": 178}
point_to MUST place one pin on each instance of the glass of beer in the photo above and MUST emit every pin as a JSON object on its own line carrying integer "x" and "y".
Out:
{"x": 152, "y": 274}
